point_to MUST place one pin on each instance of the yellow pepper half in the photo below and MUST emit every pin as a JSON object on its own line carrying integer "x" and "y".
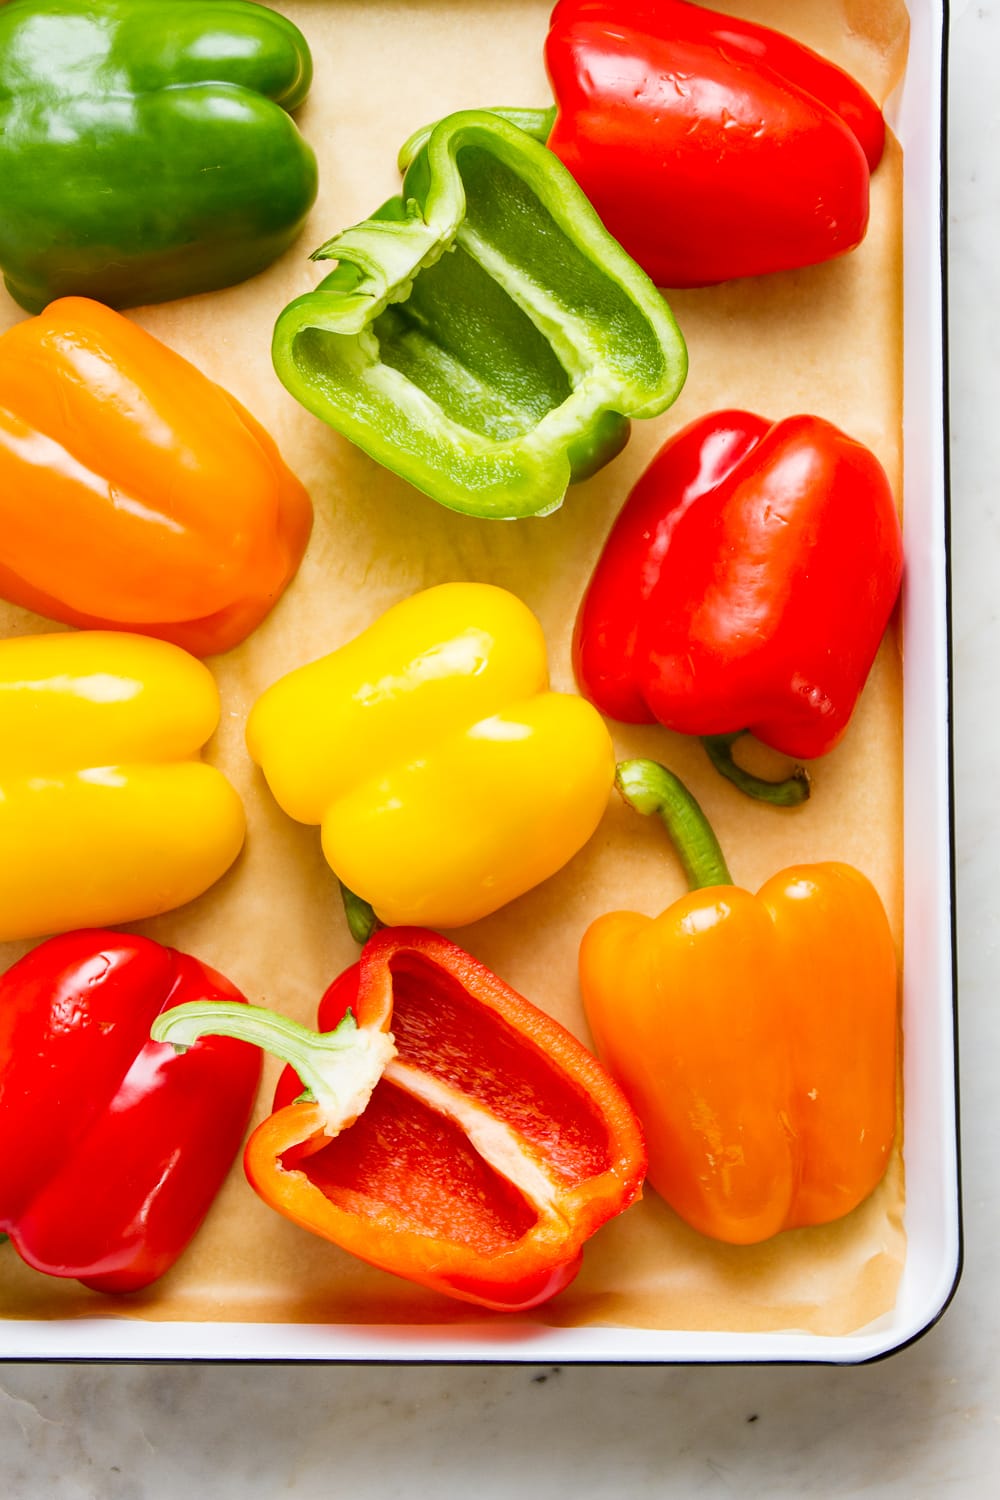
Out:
{"x": 107, "y": 814}
{"x": 446, "y": 777}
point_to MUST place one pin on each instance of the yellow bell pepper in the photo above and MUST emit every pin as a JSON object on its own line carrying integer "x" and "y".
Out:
{"x": 107, "y": 814}
{"x": 446, "y": 777}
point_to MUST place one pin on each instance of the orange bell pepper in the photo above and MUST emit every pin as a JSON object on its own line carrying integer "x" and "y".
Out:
{"x": 135, "y": 494}
{"x": 755, "y": 1036}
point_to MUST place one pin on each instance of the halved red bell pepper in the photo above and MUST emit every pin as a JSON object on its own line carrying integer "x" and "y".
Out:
{"x": 745, "y": 585}
{"x": 112, "y": 1147}
{"x": 473, "y": 1150}
{"x": 710, "y": 146}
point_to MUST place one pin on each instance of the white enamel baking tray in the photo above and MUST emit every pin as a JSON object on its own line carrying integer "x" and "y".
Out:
{"x": 932, "y": 1212}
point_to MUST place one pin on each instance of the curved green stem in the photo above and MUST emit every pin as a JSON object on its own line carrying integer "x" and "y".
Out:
{"x": 338, "y": 1068}
{"x": 651, "y": 788}
{"x": 361, "y": 918}
{"x": 534, "y": 122}
{"x": 792, "y": 791}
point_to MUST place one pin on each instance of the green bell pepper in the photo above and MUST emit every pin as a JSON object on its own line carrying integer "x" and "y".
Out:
{"x": 483, "y": 335}
{"x": 146, "y": 150}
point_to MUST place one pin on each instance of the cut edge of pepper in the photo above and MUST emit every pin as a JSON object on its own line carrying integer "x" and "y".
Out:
{"x": 347, "y": 311}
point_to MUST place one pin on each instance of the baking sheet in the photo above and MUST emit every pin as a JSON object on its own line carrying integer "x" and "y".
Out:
{"x": 827, "y": 339}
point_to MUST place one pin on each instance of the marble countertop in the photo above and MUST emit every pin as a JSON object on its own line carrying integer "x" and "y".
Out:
{"x": 924, "y": 1422}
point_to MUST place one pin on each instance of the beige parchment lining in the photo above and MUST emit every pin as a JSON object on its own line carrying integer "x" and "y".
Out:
{"x": 827, "y": 340}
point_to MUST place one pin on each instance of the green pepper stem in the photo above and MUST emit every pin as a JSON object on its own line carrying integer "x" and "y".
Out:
{"x": 651, "y": 788}
{"x": 338, "y": 1068}
{"x": 792, "y": 791}
{"x": 537, "y": 123}
{"x": 361, "y": 918}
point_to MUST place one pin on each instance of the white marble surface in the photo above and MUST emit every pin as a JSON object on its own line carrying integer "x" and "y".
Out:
{"x": 924, "y": 1422}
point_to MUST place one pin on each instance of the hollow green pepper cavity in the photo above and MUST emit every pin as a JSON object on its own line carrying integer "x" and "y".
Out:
{"x": 146, "y": 146}
{"x": 482, "y": 335}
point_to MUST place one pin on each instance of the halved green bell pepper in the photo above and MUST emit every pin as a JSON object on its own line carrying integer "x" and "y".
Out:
{"x": 146, "y": 150}
{"x": 483, "y": 335}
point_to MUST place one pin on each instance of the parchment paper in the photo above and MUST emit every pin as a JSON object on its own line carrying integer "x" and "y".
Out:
{"x": 826, "y": 340}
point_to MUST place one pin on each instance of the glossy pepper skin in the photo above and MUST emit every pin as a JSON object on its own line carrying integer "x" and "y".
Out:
{"x": 446, "y": 777}
{"x": 482, "y": 334}
{"x": 712, "y": 148}
{"x": 107, "y": 814}
{"x": 136, "y": 494}
{"x": 755, "y": 1037}
{"x": 112, "y": 1148}
{"x": 146, "y": 147}
{"x": 473, "y": 1149}
{"x": 746, "y": 584}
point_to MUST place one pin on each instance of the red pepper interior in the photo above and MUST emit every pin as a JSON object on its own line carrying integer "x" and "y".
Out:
{"x": 440, "y": 1028}
{"x": 411, "y": 1166}
{"x": 403, "y": 1163}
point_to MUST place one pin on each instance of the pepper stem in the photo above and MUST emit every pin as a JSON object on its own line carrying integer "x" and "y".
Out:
{"x": 338, "y": 1068}
{"x": 537, "y": 123}
{"x": 792, "y": 791}
{"x": 651, "y": 788}
{"x": 361, "y": 918}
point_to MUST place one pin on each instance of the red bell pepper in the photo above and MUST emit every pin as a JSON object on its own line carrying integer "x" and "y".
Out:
{"x": 745, "y": 585}
{"x": 473, "y": 1150}
{"x": 112, "y": 1147}
{"x": 711, "y": 147}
